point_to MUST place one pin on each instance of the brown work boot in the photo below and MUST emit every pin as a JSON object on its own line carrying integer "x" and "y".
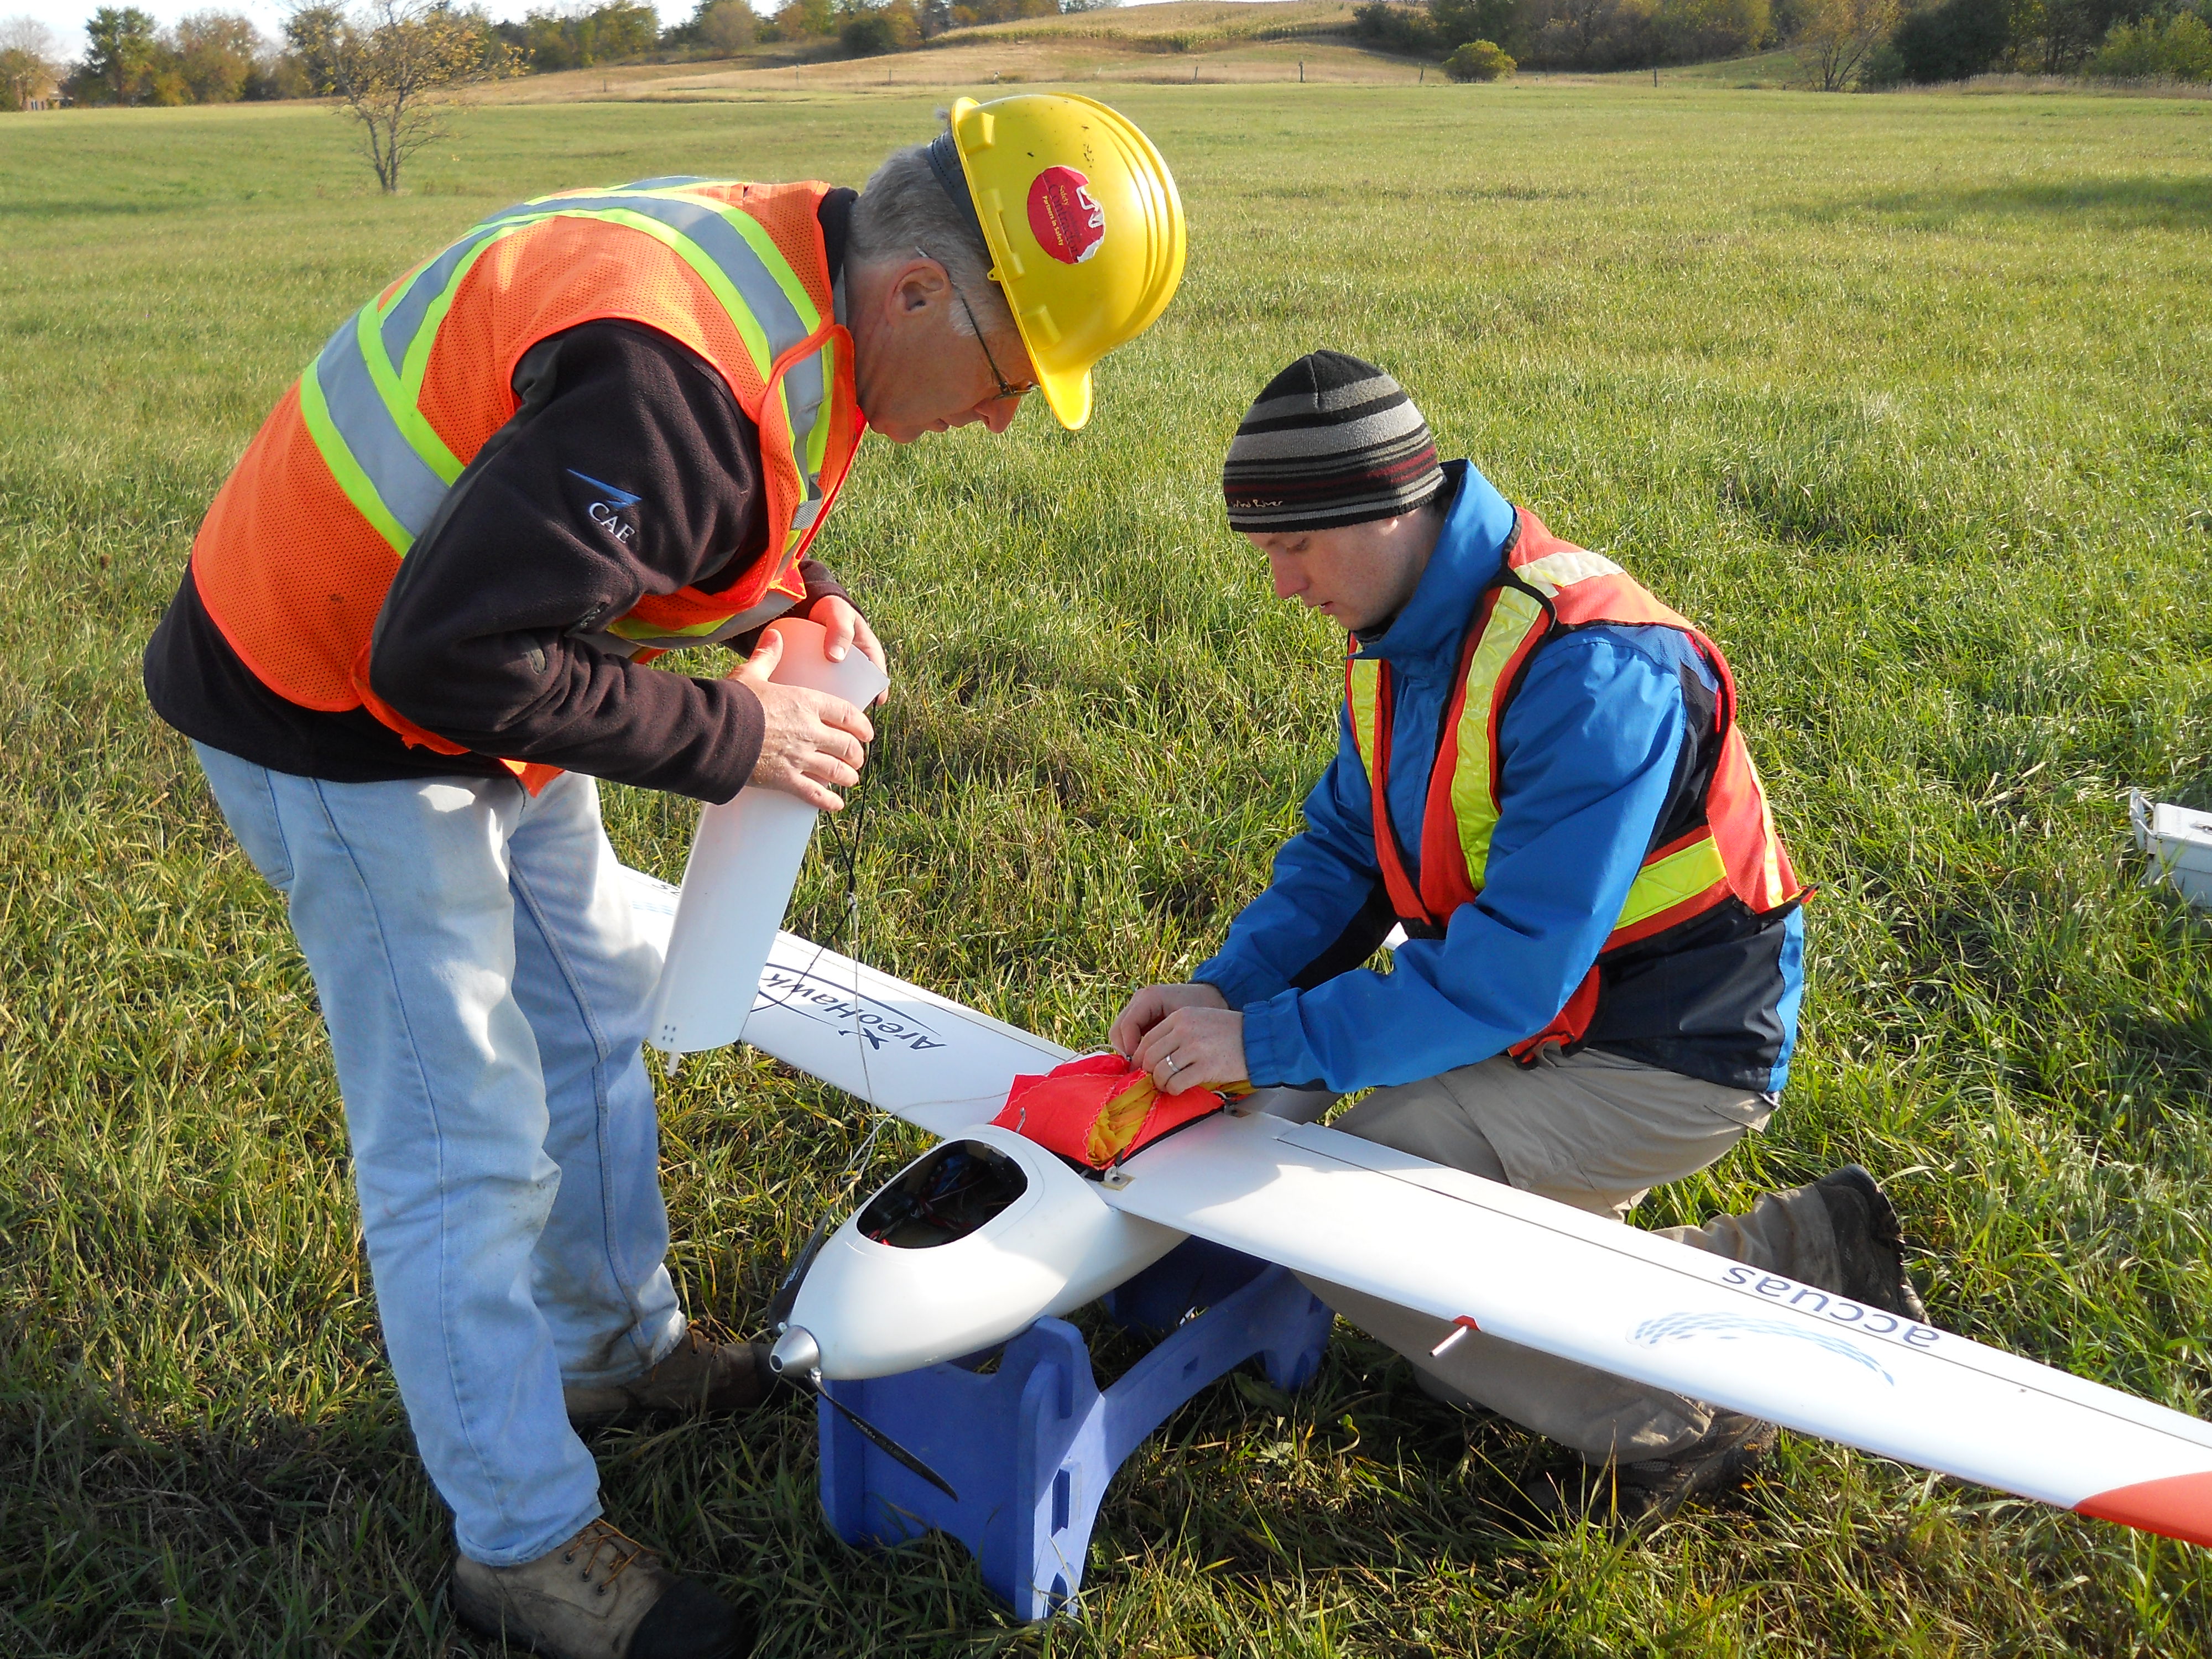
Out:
{"x": 1869, "y": 1243}
{"x": 1637, "y": 1496}
{"x": 700, "y": 1375}
{"x": 600, "y": 1596}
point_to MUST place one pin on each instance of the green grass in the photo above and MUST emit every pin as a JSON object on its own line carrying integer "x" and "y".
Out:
{"x": 1906, "y": 400}
{"x": 1761, "y": 72}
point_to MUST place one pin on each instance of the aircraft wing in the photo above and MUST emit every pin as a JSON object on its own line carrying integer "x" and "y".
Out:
{"x": 921, "y": 1056}
{"x": 1519, "y": 1266}
{"x": 1629, "y": 1302}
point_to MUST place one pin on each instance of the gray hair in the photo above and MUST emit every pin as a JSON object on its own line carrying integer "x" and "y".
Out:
{"x": 904, "y": 210}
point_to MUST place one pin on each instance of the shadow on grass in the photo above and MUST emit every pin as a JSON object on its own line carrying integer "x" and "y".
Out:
{"x": 61, "y": 208}
{"x": 1463, "y": 1485}
{"x": 2108, "y": 204}
{"x": 187, "y": 1540}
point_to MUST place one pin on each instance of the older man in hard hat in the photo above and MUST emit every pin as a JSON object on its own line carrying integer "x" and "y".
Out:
{"x": 414, "y": 630}
{"x": 1540, "y": 777}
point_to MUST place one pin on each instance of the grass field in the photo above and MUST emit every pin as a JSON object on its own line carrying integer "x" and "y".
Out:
{"x": 1907, "y": 400}
{"x": 1203, "y": 42}
{"x": 973, "y": 62}
{"x": 1184, "y": 42}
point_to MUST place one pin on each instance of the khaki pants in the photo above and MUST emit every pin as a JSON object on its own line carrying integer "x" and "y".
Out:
{"x": 1596, "y": 1132}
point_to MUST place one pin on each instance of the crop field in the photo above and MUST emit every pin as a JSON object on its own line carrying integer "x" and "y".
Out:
{"x": 1907, "y": 400}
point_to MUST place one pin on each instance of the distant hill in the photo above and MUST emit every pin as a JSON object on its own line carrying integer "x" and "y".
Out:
{"x": 1209, "y": 42}
{"x": 1190, "y": 26}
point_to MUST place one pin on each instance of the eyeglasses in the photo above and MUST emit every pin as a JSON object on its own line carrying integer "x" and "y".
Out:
{"x": 1006, "y": 389}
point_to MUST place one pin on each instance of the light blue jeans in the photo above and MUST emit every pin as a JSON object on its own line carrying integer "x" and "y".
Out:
{"x": 484, "y": 985}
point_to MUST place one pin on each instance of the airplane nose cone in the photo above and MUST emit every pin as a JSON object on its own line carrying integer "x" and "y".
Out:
{"x": 796, "y": 1353}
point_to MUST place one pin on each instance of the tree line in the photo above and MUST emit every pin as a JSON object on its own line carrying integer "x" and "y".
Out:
{"x": 217, "y": 57}
{"x": 1843, "y": 43}
{"x": 205, "y": 58}
{"x": 864, "y": 27}
{"x": 209, "y": 56}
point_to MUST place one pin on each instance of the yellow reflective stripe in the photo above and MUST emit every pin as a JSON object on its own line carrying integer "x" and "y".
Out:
{"x": 818, "y": 437}
{"x": 763, "y": 245}
{"x": 403, "y": 389}
{"x": 810, "y": 448}
{"x": 739, "y": 245}
{"x": 417, "y": 362}
{"x": 1564, "y": 569}
{"x": 1770, "y": 842}
{"x": 1363, "y": 685}
{"x": 629, "y": 627}
{"x": 741, "y": 315}
{"x": 1667, "y": 882}
{"x": 351, "y": 479}
{"x": 732, "y": 252}
{"x": 757, "y": 341}
{"x": 808, "y": 482}
{"x": 395, "y": 295}
{"x": 1473, "y": 797}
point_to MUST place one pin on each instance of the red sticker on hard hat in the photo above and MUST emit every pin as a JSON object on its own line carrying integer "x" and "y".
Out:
{"x": 1067, "y": 224}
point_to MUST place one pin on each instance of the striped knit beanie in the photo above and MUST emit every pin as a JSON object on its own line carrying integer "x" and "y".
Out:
{"x": 1332, "y": 441}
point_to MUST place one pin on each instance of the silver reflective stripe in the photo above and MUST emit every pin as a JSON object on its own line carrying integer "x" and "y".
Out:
{"x": 411, "y": 491}
{"x": 715, "y": 237}
{"x": 403, "y": 480}
{"x": 805, "y": 384}
{"x": 802, "y": 394}
{"x": 398, "y": 331}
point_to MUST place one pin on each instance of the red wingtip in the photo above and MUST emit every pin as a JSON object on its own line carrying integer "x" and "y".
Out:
{"x": 2179, "y": 1506}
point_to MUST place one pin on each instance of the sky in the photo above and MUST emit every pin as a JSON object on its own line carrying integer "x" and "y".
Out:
{"x": 66, "y": 17}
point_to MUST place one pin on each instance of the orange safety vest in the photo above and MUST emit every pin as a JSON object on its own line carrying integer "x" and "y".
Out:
{"x": 1547, "y": 586}
{"x": 302, "y": 544}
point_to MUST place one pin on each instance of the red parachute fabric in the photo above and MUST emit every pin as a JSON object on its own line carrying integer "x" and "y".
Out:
{"x": 1099, "y": 1109}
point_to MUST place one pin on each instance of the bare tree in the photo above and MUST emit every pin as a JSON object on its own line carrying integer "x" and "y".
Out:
{"x": 30, "y": 61}
{"x": 395, "y": 66}
{"x": 1836, "y": 37}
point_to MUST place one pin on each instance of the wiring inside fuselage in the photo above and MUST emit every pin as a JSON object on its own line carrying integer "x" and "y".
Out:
{"x": 944, "y": 1196}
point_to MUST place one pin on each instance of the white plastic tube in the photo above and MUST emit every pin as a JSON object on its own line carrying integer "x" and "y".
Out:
{"x": 745, "y": 861}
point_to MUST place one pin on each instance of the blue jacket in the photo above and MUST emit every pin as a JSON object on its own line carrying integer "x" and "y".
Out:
{"x": 1594, "y": 755}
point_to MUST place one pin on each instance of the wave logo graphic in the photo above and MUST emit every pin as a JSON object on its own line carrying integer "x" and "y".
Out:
{"x": 1727, "y": 1327}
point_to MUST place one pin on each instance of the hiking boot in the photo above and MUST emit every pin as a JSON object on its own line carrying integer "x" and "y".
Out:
{"x": 1869, "y": 1243}
{"x": 700, "y": 1375}
{"x": 1632, "y": 1497}
{"x": 600, "y": 1596}
{"x": 1721, "y": 1460}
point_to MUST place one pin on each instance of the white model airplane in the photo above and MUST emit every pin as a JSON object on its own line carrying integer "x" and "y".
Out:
{"x": 988, "y": 1231}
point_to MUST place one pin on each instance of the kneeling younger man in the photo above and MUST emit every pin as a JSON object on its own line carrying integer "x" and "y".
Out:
{"x": 1539, "y": 776}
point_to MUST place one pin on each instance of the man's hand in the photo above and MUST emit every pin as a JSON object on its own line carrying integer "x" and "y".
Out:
{"x": 1184, "y": 1035}
{"x": 1152, "y": 1004}
{"x": 1195, "y": 1048}
{"x": 847, "y": 628}
{"x": 814, "y": 745}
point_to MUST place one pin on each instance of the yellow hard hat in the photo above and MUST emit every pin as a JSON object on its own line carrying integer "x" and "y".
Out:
{"x": 1084, "y": 225}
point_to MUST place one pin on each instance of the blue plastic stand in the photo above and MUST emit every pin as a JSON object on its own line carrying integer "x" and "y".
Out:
{"x": 1031, "y": 1446}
